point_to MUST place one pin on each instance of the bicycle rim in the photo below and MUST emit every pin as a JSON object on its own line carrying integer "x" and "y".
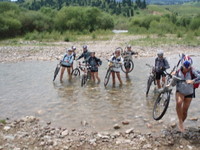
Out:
{"x": 149, "y": 82}
{"x": 161, "y": 105}
{"x": 56, "y": 72}
{"x": 107, "y": 77}
{"x": 76, "y": 72}
{"x": 127, "y": 62}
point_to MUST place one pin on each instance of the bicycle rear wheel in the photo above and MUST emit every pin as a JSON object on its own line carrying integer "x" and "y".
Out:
{"x": 56, "y": 72}
{"x": 107, "y": 77}
{"x": 76, "y": 72}
{"x": 161, "y": 105}
{"x": 127, "y": 64}
{"x": 149, "y": 82}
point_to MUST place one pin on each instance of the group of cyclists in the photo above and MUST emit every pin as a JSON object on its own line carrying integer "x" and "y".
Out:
{"x": 185, "y": 91}
{"x": 90, "y": 59}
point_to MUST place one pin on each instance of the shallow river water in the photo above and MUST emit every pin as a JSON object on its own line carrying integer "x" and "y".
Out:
{"x": 26, "y": 88}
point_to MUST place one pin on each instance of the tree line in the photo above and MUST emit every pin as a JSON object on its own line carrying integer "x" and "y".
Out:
{"x": 123, "y": 7}
{"x": 18, "y": 21}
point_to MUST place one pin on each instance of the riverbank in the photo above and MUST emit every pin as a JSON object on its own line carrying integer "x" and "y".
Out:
{"x": 27, "y": 133}
{"x": 33, "y": 50}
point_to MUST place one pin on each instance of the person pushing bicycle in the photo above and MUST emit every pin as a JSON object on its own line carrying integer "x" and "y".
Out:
{"x": 161, "y": 64}
{"x": 117, "y": 61}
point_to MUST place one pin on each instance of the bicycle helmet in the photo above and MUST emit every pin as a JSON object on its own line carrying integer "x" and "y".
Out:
{"x": 85, "y": 46}
{"x": 160, "y": 53}
{"x": 69, "y": 50}
{"x": 187, "y": 62}
{"x": 73, "y": 48}
{"x": 129, "y": 46}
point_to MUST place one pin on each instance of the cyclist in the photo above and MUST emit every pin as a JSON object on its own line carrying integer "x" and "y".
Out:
{"x": 74, "y": 54}
{"x": 94, "y": 63}
{"x": 185, "y": 90}
{"x": 161, "y": 64}
{"x": 128, "y": 55}
{"x": 85, "y": 54}
{"x": 67, "y": 63}
{"x": 117, "y": 60}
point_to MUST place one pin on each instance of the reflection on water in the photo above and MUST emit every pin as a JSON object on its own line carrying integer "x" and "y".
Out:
{"x": 26, "y": 88}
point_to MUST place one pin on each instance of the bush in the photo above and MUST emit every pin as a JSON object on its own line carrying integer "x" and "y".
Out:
{"x": 195, "y": 23}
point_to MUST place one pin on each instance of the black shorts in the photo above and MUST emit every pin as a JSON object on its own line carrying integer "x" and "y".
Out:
{"x": 159, "y": 74}
{"x": 65, "y": 66}
{"x": 95, "y": 70}
{"x": 127, "y": 65}
{"x": 190, "y": 96}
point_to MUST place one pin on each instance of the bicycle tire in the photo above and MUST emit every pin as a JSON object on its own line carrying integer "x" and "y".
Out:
{"x": 75, "y": 72}
{"x": 56, "y": 72}
{"x": 149, "y": 82}
{"x": 123, "y": 67}
{"x": 107, "y": 77}
{"x": 161, "y": 105}
{"x": 83, "y": 80}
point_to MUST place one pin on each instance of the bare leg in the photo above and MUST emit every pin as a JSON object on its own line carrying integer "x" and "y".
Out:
{"x": 158, "y": 84}
{"x": 69, "y": 72}
{"x": 186, "y": 105}
{"x": 113, "y": 77}
{"x": 119, "y": 78}
{"x": 127, "y": 70}
{"x": 97, "y": 76}
{"x": 93, "y": 77}
{"x": 179, "y": 110}
{"x": 61, "y": 74}
{"x": 163, "y": 81}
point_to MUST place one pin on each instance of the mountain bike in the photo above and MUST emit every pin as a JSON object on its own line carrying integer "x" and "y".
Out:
{"x": 151, "y": 78}
{"x": 162, "y": 102}
{"x": 109, "y": 70}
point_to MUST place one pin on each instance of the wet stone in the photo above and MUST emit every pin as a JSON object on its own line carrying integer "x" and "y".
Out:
{"x": 116, "y": 126}
{"x": 129, "y": 131}
{"x": 6, "y": 128}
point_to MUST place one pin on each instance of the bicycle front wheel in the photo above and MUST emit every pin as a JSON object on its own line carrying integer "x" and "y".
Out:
{"x": 128, "y": 64}
{"x": 149, "y": 82}
{"x": 83, "y": 80}
{"x": 56, "y": 72}
{"x": 107, "y": 77}
{"x": 76, "y": 72}
{"x": 161, "y": 105}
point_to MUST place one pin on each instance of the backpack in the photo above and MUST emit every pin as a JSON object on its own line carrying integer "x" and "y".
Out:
{"x": 196, "y": 85}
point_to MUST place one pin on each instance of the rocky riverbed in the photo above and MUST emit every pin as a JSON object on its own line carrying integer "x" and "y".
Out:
{"x": 33, "y": 50}
{"x": 27, "y": 133}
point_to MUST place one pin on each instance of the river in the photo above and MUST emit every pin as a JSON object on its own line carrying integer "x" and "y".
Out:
{"x": 26, "y": 88}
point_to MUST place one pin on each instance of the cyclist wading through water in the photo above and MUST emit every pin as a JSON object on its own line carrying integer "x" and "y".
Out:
{"x": 185, "y": 90}
{"x": 94, "y": 63}
{"x": 117, "y": 60}
{"x": 85, "y": 54}
{"x": 67, "y": 62}
{"x": 129, "y": 54}
{"x": 161, "y": 64}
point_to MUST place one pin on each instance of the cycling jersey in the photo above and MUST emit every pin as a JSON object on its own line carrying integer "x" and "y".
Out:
{"x": 117, "y": 62}
{"x": 67, "y": 60}
{"x": 85, "y": 54}
{"x": 94, "y": 62}
{"x": 183, "y": 87}
{"x": 161, "y": 64}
